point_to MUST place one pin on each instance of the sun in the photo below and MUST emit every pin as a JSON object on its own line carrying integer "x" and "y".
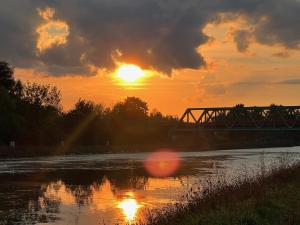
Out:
{"x": 129, "y": 207}
{"x": 130, "y": 73}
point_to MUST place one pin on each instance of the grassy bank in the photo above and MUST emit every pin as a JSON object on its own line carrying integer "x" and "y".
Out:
{"x": 268, "y": 199}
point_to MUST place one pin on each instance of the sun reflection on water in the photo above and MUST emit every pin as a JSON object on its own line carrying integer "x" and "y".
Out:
{"x": 129, "y": 207}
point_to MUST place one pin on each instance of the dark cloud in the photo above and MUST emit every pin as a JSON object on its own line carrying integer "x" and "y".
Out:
{"x": 282, "y": 54}
{"x": 272, "y": 22}
{"x": 280, "y": 24}
{"x": 250, "y": 83}
{"x": 260, "y": 82}
{"x": 242, "y": 39}
{"x": 215, "y": 89}
{"x": 157, "y": 34}
{"x": 290, "y": 82}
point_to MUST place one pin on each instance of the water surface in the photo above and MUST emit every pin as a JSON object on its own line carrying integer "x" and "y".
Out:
{"x": 110, "y": 188}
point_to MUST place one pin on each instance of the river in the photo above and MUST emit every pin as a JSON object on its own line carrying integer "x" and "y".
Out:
{"x": 111, "y": 188}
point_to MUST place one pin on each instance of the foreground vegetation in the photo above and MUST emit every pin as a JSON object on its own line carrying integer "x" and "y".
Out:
{"x": 268, "y": 199}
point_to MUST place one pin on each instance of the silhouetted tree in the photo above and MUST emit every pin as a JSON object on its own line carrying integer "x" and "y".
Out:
{"x": 6, "y": 76}
{"x": 131, "y": 108}
{"x": 42, "y": 95}
{"x": 89, "y": 121}
{"x": 10, "y": 120}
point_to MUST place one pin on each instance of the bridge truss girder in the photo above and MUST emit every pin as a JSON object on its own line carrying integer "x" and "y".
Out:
{"x": 241, "y": 118}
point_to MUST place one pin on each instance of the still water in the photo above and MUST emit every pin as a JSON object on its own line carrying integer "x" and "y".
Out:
{"x": 112, "y": 188}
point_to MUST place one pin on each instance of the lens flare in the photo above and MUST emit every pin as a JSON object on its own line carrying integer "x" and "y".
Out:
{"x": 162, "y": 163}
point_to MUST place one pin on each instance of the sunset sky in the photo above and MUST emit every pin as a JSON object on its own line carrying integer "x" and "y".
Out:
{"x": 192, "y": 53}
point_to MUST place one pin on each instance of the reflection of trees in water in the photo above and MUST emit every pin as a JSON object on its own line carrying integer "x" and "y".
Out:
{"x": 128, "y": 179}
{"x": 80, "y": 184}
{"x": 131, "y": 183}
{"x": 83, "y": 194}
{"x": 24, "y": 198}
{"x": 86, "y": 183}
{"x": 24, "y": 202}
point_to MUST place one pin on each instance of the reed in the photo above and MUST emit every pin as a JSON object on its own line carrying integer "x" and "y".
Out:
{"x": 271, "y": 197}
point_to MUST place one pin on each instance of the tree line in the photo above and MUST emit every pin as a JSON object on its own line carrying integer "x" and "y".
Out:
{"x": 31, "y": 114}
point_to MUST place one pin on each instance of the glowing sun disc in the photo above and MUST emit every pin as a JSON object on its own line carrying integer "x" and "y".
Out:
{"x": 130, "y": 73}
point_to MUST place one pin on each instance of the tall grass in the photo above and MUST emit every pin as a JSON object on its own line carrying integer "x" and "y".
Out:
{"x": 223, "y": 195}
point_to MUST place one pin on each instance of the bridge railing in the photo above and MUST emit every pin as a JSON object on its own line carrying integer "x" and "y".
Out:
{"x": 242, "y": 118}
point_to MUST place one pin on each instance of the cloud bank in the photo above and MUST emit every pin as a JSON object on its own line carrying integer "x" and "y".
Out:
{"x": 162, "y": 35}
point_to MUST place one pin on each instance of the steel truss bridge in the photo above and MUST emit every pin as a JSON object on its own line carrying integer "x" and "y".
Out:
{"x": 240, "y": 118}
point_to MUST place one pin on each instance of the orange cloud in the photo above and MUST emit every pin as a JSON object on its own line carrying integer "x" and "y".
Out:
{"x": 52, "y": 32}
{"x": 47, "y": 13}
